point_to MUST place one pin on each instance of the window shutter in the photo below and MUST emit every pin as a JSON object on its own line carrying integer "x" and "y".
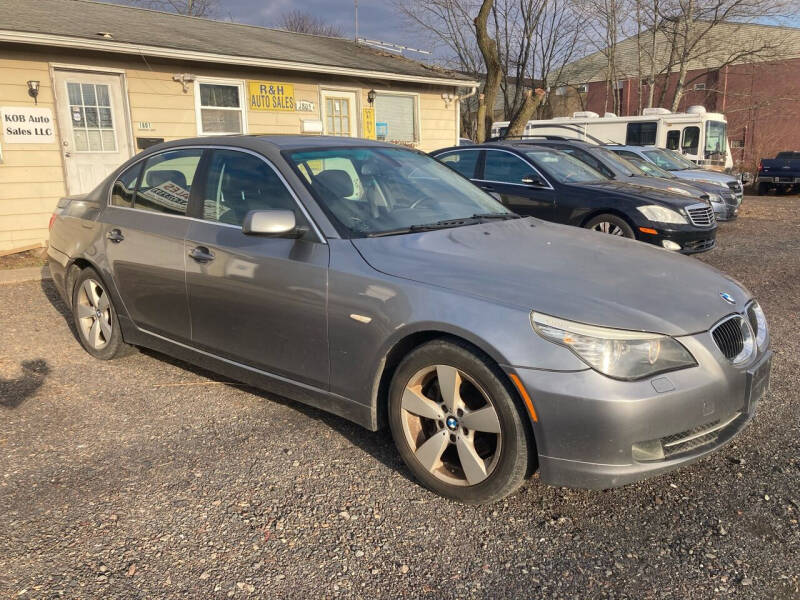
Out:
{"x": 399, "y": 115}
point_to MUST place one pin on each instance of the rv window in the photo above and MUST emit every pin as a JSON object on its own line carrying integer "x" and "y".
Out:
{"x": 641, "y": 134}
{"x": 673, "y": 139}
{"x": 691, "y": 140}
{"x": 716, "y": 138}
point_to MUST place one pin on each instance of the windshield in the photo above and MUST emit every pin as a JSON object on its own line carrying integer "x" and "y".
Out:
{"x": 629, "y": 168}
{"x": 716, "y": 137}
{"x": 671, "y": 161}
{"x": 562, "y": 167}
{"x": 650, "y": 169}
{"x": 375, "y": 189}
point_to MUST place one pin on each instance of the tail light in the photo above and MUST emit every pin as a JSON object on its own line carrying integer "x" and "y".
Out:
{"x": 760, "y": 165}
{"x": 52, "y": 220}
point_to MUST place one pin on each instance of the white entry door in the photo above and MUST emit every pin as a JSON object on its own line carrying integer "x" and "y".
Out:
{"x": 93, "y": 126}
{"x": 339, "y": 113}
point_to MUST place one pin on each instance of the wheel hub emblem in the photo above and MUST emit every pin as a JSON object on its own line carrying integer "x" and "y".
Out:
{"x": 452, "y": 423}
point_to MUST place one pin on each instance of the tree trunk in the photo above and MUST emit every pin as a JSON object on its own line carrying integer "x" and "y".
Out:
{"x": 532, "y": 101}
{"x": 494, "y": 71}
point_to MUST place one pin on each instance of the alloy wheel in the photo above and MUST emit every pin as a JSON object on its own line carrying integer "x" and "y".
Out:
{"x": 451, "y": 425}
{"x": 94, "y": 314}
{"x": 610, "y": 228}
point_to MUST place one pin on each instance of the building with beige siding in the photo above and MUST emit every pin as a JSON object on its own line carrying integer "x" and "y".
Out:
{"x": 85, "y": 85}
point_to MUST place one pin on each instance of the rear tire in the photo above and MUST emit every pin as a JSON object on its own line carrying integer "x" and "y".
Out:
{"x": 612, "y": 225}
{"x": 763, "y": 188}
{"x": 95, "y": 317}
{"x": 457, "y": 425}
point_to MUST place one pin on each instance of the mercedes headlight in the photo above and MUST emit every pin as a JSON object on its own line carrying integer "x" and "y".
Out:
{"x": 661, "y": 214}
{"x": 758, "y": 321}
{"x": 617, "y": 353}
{"x": 715, "y": 199}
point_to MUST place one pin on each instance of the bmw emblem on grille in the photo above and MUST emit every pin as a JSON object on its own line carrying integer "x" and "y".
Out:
{"x": 727, "y": 297}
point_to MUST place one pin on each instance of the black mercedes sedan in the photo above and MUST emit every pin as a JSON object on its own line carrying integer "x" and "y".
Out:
{"x": 549, "y": 184}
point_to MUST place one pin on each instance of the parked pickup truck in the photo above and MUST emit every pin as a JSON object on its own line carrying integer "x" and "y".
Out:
{"x": 781, "y": 173}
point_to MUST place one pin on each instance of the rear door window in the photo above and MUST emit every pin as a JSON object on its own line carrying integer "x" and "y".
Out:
{"x": 463, "y": 162}
{"x": 167, "y": 181}
{"x": 239, "y": 182}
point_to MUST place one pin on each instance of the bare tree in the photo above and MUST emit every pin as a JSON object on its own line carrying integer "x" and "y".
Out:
{"x": 494, "y": 71}
{"x": 301, "y": 21}
{"x": 192, "y": 8}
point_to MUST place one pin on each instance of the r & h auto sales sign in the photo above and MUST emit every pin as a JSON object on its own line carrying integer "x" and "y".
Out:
{"x": 23, "y": 125}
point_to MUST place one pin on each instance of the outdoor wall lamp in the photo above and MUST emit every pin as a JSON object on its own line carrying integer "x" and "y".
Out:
{"x": 371, "y": 96}
{"x": 184, "y": 79}
{"x": 33, "y": 90}
{"x": 448, "y": 98}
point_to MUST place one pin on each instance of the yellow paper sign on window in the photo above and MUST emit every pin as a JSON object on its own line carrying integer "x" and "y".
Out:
{"x": 368, "y": 123}
{"x": 271, "y": 95}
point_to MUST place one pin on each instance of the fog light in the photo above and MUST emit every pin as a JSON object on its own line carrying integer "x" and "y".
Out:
{"x": 670, "y": 245}
{"x": 648, "y": 451}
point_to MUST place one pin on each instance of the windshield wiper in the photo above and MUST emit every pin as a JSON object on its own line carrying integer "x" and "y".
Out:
{"x": 446, "y": 224}
{"x": 502, "y": 216}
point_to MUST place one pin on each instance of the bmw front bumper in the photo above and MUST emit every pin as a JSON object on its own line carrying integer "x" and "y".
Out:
{"x": 596, "y": 432}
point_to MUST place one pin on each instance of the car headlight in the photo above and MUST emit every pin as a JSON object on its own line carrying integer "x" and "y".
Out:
{"x": 715, "y": 198}
{"x": 617, "y": 353}
{"x": 758, "y": 321}
{"x": 661, "y": 214}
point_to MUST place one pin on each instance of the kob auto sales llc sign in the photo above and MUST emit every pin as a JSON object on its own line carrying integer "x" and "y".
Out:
{"x": 23, "y": 125}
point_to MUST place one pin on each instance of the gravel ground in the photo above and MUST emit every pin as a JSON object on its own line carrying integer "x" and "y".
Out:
{"x": 145, "y": 478}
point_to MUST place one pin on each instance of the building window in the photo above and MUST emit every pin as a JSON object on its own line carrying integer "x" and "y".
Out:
{"x": 396, "y": 117}
{"x": 583, "y": 88}
{"x": 699, "y": 86}
{"x": 561, "y": 90}
{"x": 220, "y": 107}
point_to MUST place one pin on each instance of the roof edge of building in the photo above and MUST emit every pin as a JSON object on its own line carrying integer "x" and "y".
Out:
{"x": 81, "y": 43}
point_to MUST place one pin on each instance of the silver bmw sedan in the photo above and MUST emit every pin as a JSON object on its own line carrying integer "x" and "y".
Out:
{"x": 375, "y": 283}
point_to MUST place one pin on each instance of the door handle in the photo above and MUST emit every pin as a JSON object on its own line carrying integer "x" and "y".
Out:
{"x": 115, "y": 235}
{"x": 201, "y": 254}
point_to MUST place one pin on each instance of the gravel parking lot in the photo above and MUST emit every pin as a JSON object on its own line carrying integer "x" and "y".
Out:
{"x": 145, "y": 477}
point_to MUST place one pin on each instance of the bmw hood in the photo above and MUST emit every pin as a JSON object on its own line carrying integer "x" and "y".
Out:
{"x": 563, "y": 271}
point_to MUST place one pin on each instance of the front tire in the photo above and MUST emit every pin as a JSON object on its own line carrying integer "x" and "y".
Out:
{"x": 456, "y": 424}
{"x": 95, "y": 317}
{"x": 612, "y": 225}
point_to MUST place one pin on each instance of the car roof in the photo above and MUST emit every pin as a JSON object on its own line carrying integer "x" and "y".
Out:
{"x": 272, "y": 142}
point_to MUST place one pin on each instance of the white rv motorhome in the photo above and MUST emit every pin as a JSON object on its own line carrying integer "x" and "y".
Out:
{"x": 699, "y": 135}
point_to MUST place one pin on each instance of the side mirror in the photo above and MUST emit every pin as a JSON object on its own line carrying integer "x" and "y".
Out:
{"x": 534, "y": 179}
{"x": 496, "y": 196}
{"x": 271, "y": 223}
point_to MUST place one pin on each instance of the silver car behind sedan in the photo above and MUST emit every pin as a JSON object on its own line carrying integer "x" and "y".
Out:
{"x": 375, "y": 283}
